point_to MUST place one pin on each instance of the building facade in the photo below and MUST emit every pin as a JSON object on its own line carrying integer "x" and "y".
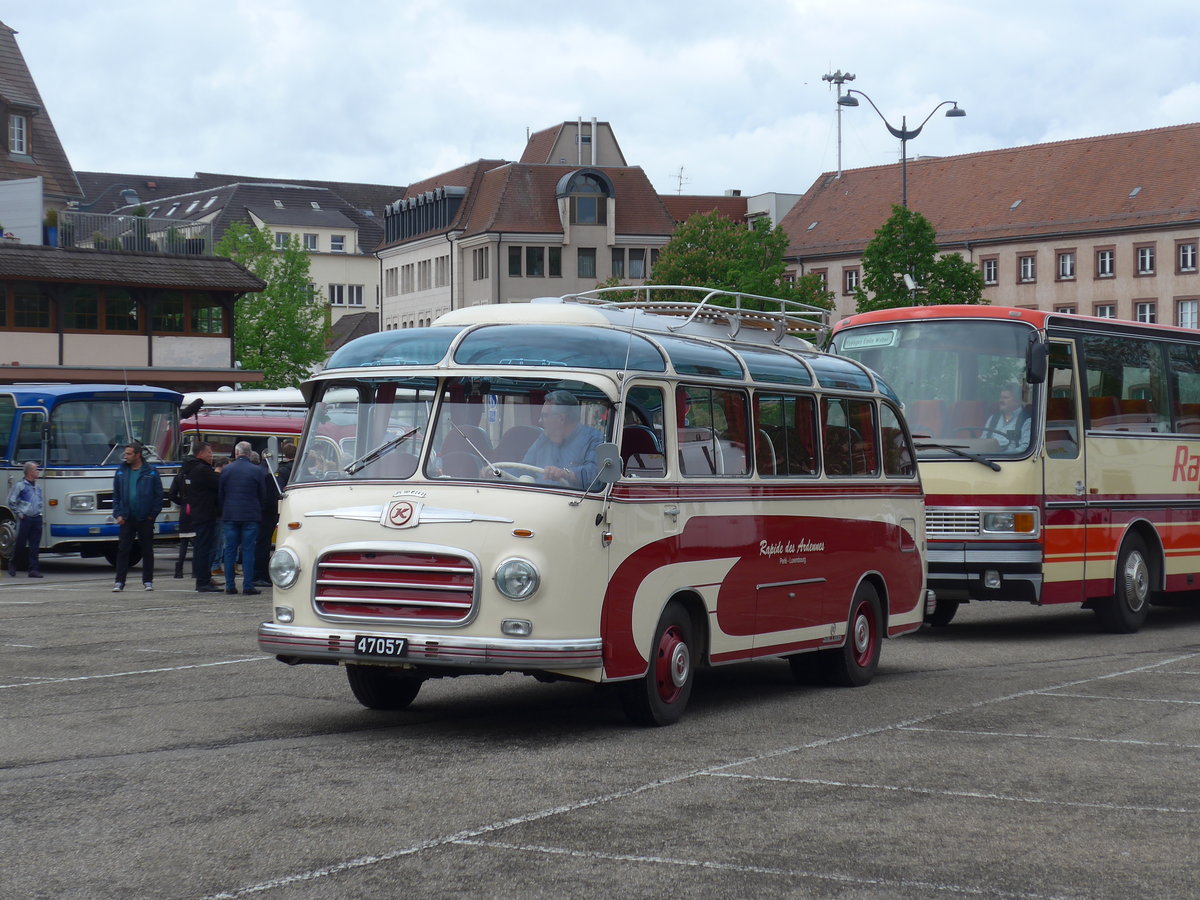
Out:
{"x": 1105, "y": 226}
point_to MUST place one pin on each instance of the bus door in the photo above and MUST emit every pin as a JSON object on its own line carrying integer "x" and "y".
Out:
{"x": 1065, "y": 485}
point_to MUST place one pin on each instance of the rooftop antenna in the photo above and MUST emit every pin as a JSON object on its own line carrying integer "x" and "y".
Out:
{"x": 839, "y": 78}
{"x": 682, "y": 181}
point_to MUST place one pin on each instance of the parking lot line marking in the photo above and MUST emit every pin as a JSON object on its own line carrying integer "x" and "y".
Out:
{"x": 1122, "y": 699}
{"x": 838, "y": 877}
{"x": 586, "y": 803}
{"x": 208, "y": 665}
{"x": 1058, "y": 737}
{"x": 967, "y": 795}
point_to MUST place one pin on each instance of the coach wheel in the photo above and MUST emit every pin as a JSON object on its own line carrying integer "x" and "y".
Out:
{"x": 944, "y": 612}
{"x": 8, "y": 536}
{"x": 1126, "y": 610}
{"x": 662, "y": 695}
{"x": 854, "y": 663}
{"x": 378, "y": 688}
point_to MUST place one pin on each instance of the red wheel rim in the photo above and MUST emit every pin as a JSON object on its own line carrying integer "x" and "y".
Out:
{"x": 671, "y": 665}
{"x": 863, "y": 634}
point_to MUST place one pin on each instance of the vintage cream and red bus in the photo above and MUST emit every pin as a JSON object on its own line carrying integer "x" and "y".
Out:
{"x": 264, "y": 418}
{"x": 740, "y": 496}
{"x": 1088, "y": 493}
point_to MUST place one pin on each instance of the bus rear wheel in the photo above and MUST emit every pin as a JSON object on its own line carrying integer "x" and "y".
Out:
{"x": 661, "y": 697}
{"x": 376, "y": 687}
{"x": 8, "y": 536}
{"x": 854, "y": 663}
{"x": 1126, "y": 610}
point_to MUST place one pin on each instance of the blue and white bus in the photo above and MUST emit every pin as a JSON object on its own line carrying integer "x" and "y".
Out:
{"x": 76, "y": 433}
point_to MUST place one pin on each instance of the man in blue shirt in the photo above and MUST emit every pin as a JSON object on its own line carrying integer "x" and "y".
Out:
{"x": 25, "y": 501}
{"x": 566, "y": 449}
{"x": 137, "y": 501}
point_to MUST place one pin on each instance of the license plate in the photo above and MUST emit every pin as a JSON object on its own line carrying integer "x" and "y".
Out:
{"x": 370, "y": 645}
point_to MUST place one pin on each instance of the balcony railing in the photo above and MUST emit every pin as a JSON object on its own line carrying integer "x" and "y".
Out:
{"x": 134, "y": 234}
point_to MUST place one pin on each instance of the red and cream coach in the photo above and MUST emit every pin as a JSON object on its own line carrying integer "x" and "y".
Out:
{"x": 598, "y": 489}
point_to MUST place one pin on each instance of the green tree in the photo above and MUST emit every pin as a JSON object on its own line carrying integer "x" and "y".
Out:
{"x": 283, "y": 329}
{"x": 906, "y": 244}
{"x": 709, "y": 250}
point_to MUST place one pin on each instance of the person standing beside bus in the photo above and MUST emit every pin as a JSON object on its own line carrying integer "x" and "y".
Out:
{"x": 137, "y": 501}
{"x": 200, "y": 490}
{"x": 241, "y": 494}
{"x": 25, "y": 501}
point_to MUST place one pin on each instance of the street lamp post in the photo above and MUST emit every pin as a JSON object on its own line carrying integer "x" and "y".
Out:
{"x": 904, "y": 133}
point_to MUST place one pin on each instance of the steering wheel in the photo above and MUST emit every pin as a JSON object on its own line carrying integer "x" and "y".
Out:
{"x": 524, "y": 467}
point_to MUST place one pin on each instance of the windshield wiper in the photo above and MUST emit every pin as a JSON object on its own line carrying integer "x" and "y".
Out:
{"x": 386, "y": 447}
{"x": 958, "y": 451}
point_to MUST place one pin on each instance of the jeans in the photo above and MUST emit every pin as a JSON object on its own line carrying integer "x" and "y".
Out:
{"x": 202, "y": 552}
{"x": 29, "y": 531}
{"x": 243, "y": 535}
{"x": 143, "y": 531}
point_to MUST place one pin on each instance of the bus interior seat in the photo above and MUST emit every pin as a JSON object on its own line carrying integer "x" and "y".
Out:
{"x": 395, "y": 465}
{"x": 967, "y": 418}
{"x": 765, "y": 453}
{"x": 1103, "y": 411}
{"x": 461, "y": 464}
{"x": 1189, "y": 418}
{"x": 461, "y": 437}
{"x": 514, "y": 443}
{"x": 925, "y": 417}
{"x": 698, "y": 451}
{"x": 641, "y": 453}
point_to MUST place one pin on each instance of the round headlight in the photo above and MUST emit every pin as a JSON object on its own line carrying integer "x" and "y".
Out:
{"x": 284, "y": 567}
{"x": 517, "y": 579}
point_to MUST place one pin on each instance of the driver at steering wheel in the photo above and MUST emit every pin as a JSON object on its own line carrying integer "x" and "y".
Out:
{"x": 566, "y": 449}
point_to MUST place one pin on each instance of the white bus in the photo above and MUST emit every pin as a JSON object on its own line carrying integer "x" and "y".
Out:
{"x": 600, "y": 490}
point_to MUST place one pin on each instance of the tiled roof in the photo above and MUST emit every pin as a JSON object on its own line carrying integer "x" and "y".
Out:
{"x": 30, "y": 262}
{"x": 540, "y": 143}
{"x": 48, "y": 158}
{"x": 683, "y": 206}
{"x": 1137, "y": 180}
{"x": 351, "y": 326}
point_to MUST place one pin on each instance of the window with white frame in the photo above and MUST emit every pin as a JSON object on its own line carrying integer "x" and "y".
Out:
{"x": 310, "y": 241}
{"x": 1027, "y": 268}
{"x": 1189, "y": 313}
{"x": 1146, "y": 311}
{"x": 1068, "y": 309}
{"x": 991, "y": 270}
{"x": 18, "y": 134}
{"x": 281, "y": 240}
{"x": 1066, "y": 265}
{"x": 849, "y": 281}
{"x": 1105, "y": 263}
{"x": 337, "y": 295}
{"x": 1145, "y": 259}
{"x": 354, "y": 295}
{"x": 823, "y": 277}
{"x": 337, "y": 243}
{"x": 1106, "y": 310}
{"x": 1186, "y": 256}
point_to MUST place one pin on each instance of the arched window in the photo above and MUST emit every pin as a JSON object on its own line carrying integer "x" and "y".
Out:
{"x": 588, "y": 192}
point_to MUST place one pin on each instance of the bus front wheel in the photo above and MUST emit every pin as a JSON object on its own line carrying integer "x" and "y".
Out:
{"x": 662, "y": 695}
{"x": 1126, "y": 610}
{"x": 378, "y": 688}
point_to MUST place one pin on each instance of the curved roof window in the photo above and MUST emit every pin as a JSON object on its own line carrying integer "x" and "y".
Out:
{"x": 569, "y": 346}
{"x": 589, "y": 191}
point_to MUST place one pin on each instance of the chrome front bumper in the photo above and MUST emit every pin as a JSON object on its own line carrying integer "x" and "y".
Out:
{"x": 297, "y": 644}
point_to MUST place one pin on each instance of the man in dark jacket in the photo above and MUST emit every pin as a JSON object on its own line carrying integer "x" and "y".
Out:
{"x": 200, "y": 487}
{"x": 137, "y": 501}
{"x": 241, "y": 494}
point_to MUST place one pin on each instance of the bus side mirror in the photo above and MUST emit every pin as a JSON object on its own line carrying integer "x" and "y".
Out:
{"x": 273, "y": 454}
{"x": 1036, "y": 358}
{"x": 608, "y": 464}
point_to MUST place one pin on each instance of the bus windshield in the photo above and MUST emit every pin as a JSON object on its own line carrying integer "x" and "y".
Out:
{"x": 962, "y": 382}
{"x": 94, "y": 431}
{"x": 530, "y": 430}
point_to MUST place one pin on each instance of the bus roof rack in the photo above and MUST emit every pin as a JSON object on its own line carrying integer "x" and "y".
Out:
{"x": 733, "y": 309}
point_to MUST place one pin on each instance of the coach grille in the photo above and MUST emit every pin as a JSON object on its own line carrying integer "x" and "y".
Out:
{"x": 946, "y": 522}
{"x": 403, "y": 585}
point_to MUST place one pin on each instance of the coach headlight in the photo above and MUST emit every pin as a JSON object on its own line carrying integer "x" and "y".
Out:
{"x": 517, "y": 579}
{"x": 81, "y": 503}
{"x": 1011, "y": 522}
{"x": 284, "y": 567}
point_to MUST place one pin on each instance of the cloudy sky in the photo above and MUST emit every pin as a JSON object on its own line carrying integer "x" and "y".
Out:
{"x": 728, "y": 94}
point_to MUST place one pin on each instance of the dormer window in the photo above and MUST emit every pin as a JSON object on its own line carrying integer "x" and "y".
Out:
{"x": 279, "y": 204}
{"x": 18, "y": 134}
{"x": 588, "y": 192}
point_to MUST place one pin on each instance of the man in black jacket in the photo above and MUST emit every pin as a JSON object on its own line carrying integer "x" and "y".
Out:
{"x": 200, "y": 484}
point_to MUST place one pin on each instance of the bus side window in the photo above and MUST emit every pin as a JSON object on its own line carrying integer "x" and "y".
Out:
{"x": 642, "y": 450}
{"x": 712, "y": 431}
{"x": 784, "y": 441}
{"x": 849, "y": 437}
{"x": 29, "y": 438}
{"x": 897, "y": 455}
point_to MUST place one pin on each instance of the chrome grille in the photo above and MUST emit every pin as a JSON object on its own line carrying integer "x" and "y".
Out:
{"x": 943, "y": 522}
{"x": 404, "y": 585}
